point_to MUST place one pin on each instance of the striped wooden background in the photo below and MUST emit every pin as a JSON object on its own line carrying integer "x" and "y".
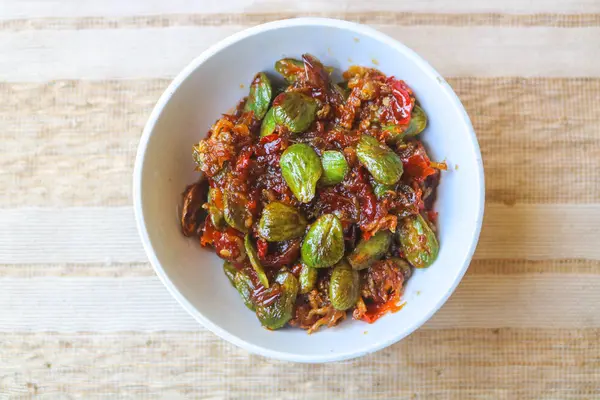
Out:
{"x": 82, "y": 314}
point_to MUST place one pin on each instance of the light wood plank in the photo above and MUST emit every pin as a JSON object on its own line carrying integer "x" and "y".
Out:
{"x": 539, "y": 138}
{"x": 100, "y": 54}
{"x": 90, "y": 132}
{"x": 64, "y": 236}
{"x": 69, "y": 235}
{"x": 55, "y": 274}
{"x": 402, "y": 18}
{"x": 73, "y": 8}
{"x": 143, "y": 304}
{"x": 430, "y": 364}
{"x": 537, "y": 232}
{"x": 144, "y": 269}
{"x": 124, "y": 53}
{"x": 524, "y": 266}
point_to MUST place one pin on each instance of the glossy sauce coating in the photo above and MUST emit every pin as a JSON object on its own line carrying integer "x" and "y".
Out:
{"x": 377, "y": 178}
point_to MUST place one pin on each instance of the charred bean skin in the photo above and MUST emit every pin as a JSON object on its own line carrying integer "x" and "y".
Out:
{"x": 295, "y": 111}
{"x": 382, "y": 163}
{"x": 323, "y": 245}
{"x": 418, "y": 123}
{"x": 260, "y": 96}
{"x": 215, "y": 213}
{"x": 369, "y": 251}
{"x": 230, "y": 271}
{"x": 255, "y": 262}
{"x": 290, "y": 68}
{"x": 235, "y": 213}
{"x": 335, "y": 167}
{"x": 268, "y": 124}
{"x": 274, "y": 314}
{"x": 245, "y": 288}
{"x": 281, "y": 222}
{"x": 308, "y": 278}
{"x": 380, "y": 189}
{"x": 417, "y": 240}
{"x": 344, "y": 286}
{"x": 301, "y": 169}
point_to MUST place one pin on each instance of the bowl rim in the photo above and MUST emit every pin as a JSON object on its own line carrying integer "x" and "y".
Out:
{"x": 165, "y": 98}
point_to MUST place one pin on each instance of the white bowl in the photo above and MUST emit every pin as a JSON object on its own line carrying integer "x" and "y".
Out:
{"x": 211, "y": 85}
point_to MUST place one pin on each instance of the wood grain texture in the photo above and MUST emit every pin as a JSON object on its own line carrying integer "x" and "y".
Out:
{"x": 480, "y": 51}
{"x": 539, "y": 232}
{"x": 430, "y": 364}
{"x": 250, "y": 19}
{"x": 72, "y": 304}
{"x": 93, "y": 127}
{"x": 15, "y": 9}
{"x": 90, "y": 132}
{"x": 539, "y": 138}
{"x": 525, "y": 232}
{"x": 144, "y": 269}
{"x": 69, "y": 235}
{"x": 77, "y": 82}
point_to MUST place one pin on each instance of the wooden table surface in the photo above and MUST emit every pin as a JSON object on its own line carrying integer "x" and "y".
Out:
{"x": 82, "y": 313}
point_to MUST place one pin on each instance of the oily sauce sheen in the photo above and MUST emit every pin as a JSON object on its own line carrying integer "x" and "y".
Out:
{"x": 318, "y": 195}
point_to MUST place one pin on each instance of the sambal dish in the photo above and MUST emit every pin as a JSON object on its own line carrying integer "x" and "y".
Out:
{"x": 317, "y": 194}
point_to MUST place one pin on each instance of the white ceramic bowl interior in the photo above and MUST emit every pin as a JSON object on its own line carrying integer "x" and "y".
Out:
{"x": 211, "y": 85}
